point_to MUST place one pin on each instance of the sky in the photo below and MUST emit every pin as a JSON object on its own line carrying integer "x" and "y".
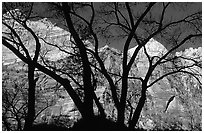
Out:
{"x": 42, "y": 10}
{"x": 172, "y": 13}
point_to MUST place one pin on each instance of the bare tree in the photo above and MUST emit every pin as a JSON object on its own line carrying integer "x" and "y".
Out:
{"x": 126, "y": 21}
{"x": 21, "y": 20}
{"x": 154, "y": 27}
{"x": 18, "y": 47}
{"x": 15, "y": 97}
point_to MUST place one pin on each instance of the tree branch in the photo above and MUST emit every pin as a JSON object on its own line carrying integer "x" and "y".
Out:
{"x": 130, "y": 14}
{"x": 19, "y": 39}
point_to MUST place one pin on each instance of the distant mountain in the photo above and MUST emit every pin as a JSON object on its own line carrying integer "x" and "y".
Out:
{"x": 110, "y": 56}
{"x": 153, "y": 47}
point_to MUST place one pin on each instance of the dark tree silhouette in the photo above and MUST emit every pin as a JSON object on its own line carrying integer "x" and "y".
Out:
{"x": 178, "y": 31}
{"x": 31, "y": 65}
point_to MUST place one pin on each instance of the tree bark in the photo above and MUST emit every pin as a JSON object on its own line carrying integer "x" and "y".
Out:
{"x": 31, "y": 98}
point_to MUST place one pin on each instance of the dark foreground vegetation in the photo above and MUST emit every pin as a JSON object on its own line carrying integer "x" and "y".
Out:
{"x": 96, "y": 123}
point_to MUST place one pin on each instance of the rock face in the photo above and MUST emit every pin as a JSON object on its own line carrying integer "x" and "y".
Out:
{"x": 160, "y": 92}
{"x": 48, "y": 34}
{"x": 153, "y": 48}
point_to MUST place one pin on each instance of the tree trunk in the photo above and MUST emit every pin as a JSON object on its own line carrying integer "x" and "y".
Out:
{"x": 19, "y": 126}
{"x": 98, "y": 104}
{"x": 121, "y": 110}
{"x": 88, "y": 92}
{"x": 138, "y": 110}
{"x": 88, "y": 105}
{"x": 88, "y": 87}
{"x": 31, "y": 98}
